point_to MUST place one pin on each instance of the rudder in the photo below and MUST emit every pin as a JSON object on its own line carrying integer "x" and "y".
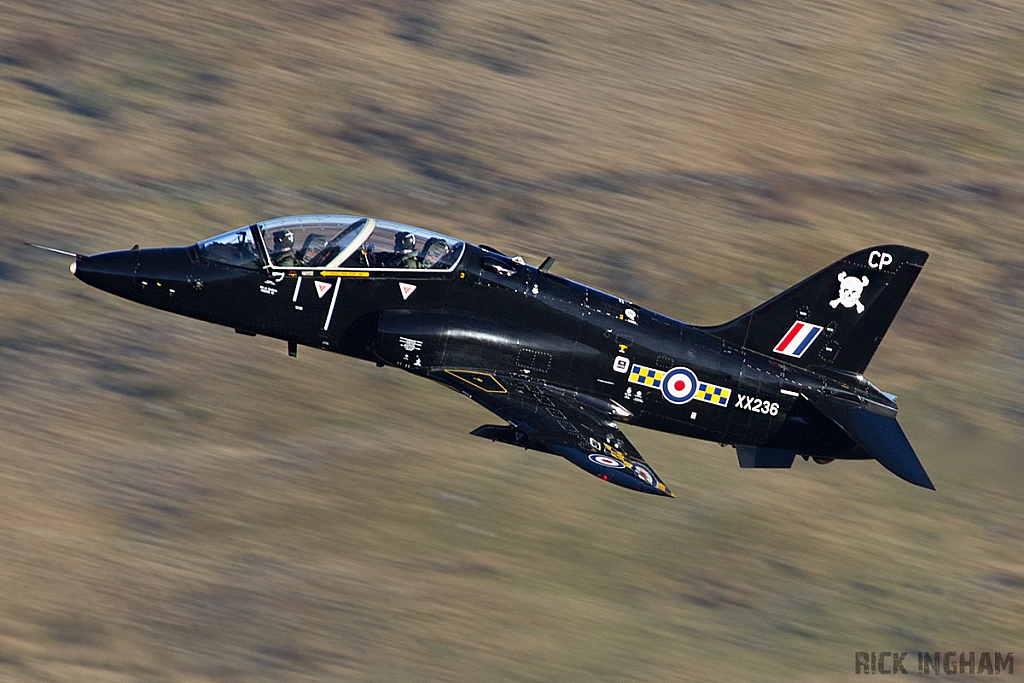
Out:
{"x": 836, "y": 317}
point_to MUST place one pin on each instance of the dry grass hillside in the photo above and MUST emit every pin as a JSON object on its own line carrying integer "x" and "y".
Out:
{"x": 182, "y": 504}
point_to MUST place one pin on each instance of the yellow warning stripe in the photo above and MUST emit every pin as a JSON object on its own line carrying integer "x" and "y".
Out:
{"x": 476, "y": 379}
{"x": 344, "y": 273}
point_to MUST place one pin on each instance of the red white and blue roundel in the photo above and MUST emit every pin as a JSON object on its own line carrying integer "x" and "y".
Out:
{"x": 606, "y": 461}
{"x": 679, "y": 385}
{"x": 644, "y": 474}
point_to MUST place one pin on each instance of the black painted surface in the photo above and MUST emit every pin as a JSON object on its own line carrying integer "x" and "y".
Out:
{"x": 560, "y": 361}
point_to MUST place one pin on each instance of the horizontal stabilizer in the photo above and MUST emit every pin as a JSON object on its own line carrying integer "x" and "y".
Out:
{"x": 884, "y": 439}
{"x": 881, "y": 437}
{"x": 759, "y": 456}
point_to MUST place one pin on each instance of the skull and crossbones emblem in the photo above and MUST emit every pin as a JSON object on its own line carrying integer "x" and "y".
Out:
{"x": 850, "y": 289}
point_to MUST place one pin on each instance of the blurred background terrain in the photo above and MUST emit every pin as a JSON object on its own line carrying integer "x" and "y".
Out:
{"x": 179, "y": 503}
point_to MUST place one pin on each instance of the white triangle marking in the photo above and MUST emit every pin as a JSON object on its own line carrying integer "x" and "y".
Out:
{"x": 322, "y": 288}
{"x": 407, "y": 290}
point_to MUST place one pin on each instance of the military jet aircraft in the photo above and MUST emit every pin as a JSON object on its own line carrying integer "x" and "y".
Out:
{"x": 561, "y": 363}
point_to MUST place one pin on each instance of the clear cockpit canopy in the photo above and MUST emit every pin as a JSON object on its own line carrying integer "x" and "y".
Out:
{"x": 354, "y": 242}
{"x": 330, "y": 242}
{"x": 235, "y": 248}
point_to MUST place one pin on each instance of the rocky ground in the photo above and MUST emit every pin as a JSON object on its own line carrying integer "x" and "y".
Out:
{"x": 183, "y": 504}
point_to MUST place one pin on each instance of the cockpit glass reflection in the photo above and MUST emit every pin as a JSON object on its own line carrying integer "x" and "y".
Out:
{"x": 351, "y": 242}
{"x": 235, "y": 248}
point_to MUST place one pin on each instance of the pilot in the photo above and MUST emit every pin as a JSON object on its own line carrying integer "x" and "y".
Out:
{"x": 284, "y": 249}
{"x": 405, "y": 251}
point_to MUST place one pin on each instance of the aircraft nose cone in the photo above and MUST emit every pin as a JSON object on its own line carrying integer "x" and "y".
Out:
{"x": 149, "y": 276}
{"x": 112, "y": 271}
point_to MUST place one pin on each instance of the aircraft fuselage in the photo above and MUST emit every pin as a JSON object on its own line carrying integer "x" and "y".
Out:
{"x": 561, "y": 362}
{"x": 491, "y": 316}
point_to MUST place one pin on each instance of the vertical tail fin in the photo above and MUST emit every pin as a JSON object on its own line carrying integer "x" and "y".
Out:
{"x": 836, "y": 317}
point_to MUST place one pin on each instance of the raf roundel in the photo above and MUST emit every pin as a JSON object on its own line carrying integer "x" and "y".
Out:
{"x": 644, "y": 474}
{"x": 606, "y": 461}
{"x": 679, "y": 385}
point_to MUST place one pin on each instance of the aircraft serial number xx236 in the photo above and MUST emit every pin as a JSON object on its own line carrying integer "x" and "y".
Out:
{"x": 560, "y": 362}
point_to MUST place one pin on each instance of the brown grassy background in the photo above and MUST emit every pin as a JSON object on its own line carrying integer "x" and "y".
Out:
{"x": 182, "y": 504}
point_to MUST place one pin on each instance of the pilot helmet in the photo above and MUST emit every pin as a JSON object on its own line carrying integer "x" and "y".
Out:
{"x": 283, "y": 239}
{"x": 405, "y": 241}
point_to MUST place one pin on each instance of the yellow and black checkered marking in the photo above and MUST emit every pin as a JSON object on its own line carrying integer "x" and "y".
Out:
{"x": 712, "y": 393}
{"x": 648, "y": 377}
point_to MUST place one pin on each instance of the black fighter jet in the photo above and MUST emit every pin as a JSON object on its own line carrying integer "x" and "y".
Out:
{"x": 559, "y": 362}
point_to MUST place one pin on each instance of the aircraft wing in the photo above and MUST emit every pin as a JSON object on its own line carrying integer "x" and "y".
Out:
{"x": 566, "y": 423}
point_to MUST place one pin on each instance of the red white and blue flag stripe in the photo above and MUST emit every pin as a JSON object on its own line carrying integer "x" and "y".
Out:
{"x": 799, "y": 338}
